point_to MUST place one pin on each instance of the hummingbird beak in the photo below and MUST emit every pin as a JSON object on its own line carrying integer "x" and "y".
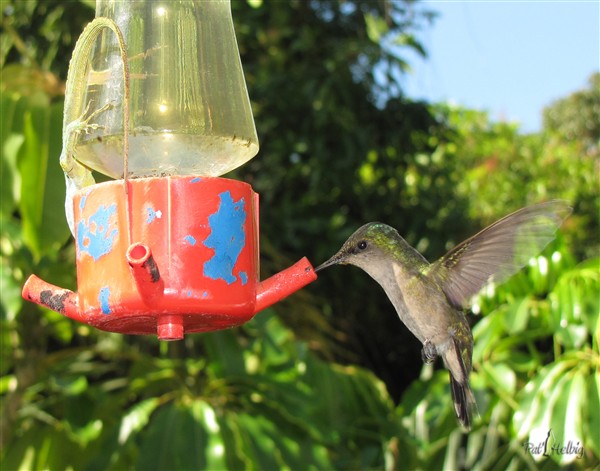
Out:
{"x": 337, "y": 258}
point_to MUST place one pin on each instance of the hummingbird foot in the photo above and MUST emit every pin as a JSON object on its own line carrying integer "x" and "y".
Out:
{"x": 428, "y": 352}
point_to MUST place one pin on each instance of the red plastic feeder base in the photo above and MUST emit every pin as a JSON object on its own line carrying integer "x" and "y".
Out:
{"x": 170, "y": 256}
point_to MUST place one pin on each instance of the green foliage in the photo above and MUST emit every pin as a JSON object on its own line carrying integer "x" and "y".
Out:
{"x": 577, "y": 117}
{"x": 507, "y": 170}
{"x": 328, "y": 379}
{"x": 30, "y": 157}
{"x": 260, "y": 399}
{"x": 41, "y": 33}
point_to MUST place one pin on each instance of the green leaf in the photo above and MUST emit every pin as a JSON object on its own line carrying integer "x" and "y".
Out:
{"x": 43, "y": 446}
{"x": 32, "y": 165}
{"x": 405, "y": 39}
{"x": 575, "y": 304}
{"x": 89, "y": 3}
{"x": 215, "y": 446}
{"x": 376, "y": 27}
{"x": 136, "y": 418}
{"x": 591, "y": 417}
{"x": 11, "y": 141}
{"x": 534, "y": 398}
{"x": 11, "y": 300}
{"x": 7, "y": 382}
{"x": 503, "y": 377}
{"x": 70, "y": 385}
{"x": 554, "y": 415}
{"x": 173, "y": 439}
{"x": 41, "y": 205}
{"x": 516, "y": 317}
{"x": 576, "y": 404}
{"x": 86, "y": 433}
{"x": 225, "y": 355}
{"x": 486, "y": 333}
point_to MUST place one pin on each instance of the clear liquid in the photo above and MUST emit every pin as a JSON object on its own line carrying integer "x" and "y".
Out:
{"x": 189, "y": 111}
{"x": 163, "y": 154}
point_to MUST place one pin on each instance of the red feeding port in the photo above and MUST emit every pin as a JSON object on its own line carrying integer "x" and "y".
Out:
{"x": 169, "y": 256}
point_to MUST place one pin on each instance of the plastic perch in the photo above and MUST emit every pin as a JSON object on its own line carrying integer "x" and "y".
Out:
{"x": 151, "y": 286}
{"x": 145, "y": 272}
{"x": 51, "y": 296}
{"x": 284, "y": 283}
{"x": 169, "y": 325}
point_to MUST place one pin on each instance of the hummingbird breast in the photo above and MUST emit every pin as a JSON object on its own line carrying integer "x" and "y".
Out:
{"x": 423, "y": 307}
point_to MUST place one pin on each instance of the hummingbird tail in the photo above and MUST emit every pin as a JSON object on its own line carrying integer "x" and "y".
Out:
{"x": 459, "y": 384}
{"x": 463, "y": 400}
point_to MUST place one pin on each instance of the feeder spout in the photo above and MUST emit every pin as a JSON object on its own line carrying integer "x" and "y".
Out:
{"x": 284, "y": 283}
{"x": 145, "y": 271}
{"x": 58, "y": 299}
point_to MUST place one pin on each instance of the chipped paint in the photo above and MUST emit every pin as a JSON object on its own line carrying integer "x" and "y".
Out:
{"x": 196, "y": 180}
{"x": 56, "y": 302}
{"x": 103, "y": 298}
{"x": 97, "y": 236}
{"x": 244, "y": 277}
{"x": 190, "y": 239}
{"x": 83, "y": 200}
{"x": 152, "y": 269}
{"x": 152, "y": 214}
{"x": 227, "y": 238}
{"x": 205, "y": 295}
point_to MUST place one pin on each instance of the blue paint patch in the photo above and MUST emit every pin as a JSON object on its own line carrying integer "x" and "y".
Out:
{"x": 190, "y": 239}
{"x": 196, "y": 180}
{"x": 103, "y": 298}
{"x": 189, "y": 293}
{"x": 152, "y": 215}
{"x": 205, "y": 294}
{"x": 97, "y": 237}
{"x": 227, "y": 238}
{"x": 243, "y": 277}
{"x": 83, "y": 200}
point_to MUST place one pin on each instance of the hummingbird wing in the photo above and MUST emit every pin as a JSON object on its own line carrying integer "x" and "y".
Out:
{"x": 498, "y": 251}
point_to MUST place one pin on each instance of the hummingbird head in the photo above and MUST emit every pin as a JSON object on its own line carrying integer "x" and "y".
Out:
{"x": 371, "y": 243}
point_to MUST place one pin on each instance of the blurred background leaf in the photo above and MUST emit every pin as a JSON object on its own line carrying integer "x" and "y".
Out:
{"x": 329, "y": 378}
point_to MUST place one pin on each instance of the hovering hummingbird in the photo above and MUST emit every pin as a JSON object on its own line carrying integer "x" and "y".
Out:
{"x": 431, "y": 298}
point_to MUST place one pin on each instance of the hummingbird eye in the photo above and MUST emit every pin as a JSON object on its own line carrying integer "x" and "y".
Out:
{"x": 362, "y": 245}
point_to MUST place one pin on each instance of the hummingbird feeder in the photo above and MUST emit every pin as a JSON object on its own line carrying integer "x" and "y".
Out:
{"x": 170, "y": 247}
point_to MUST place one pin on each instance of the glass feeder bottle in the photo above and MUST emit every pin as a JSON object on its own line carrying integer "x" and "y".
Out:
{"x": 189, "y": 108}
